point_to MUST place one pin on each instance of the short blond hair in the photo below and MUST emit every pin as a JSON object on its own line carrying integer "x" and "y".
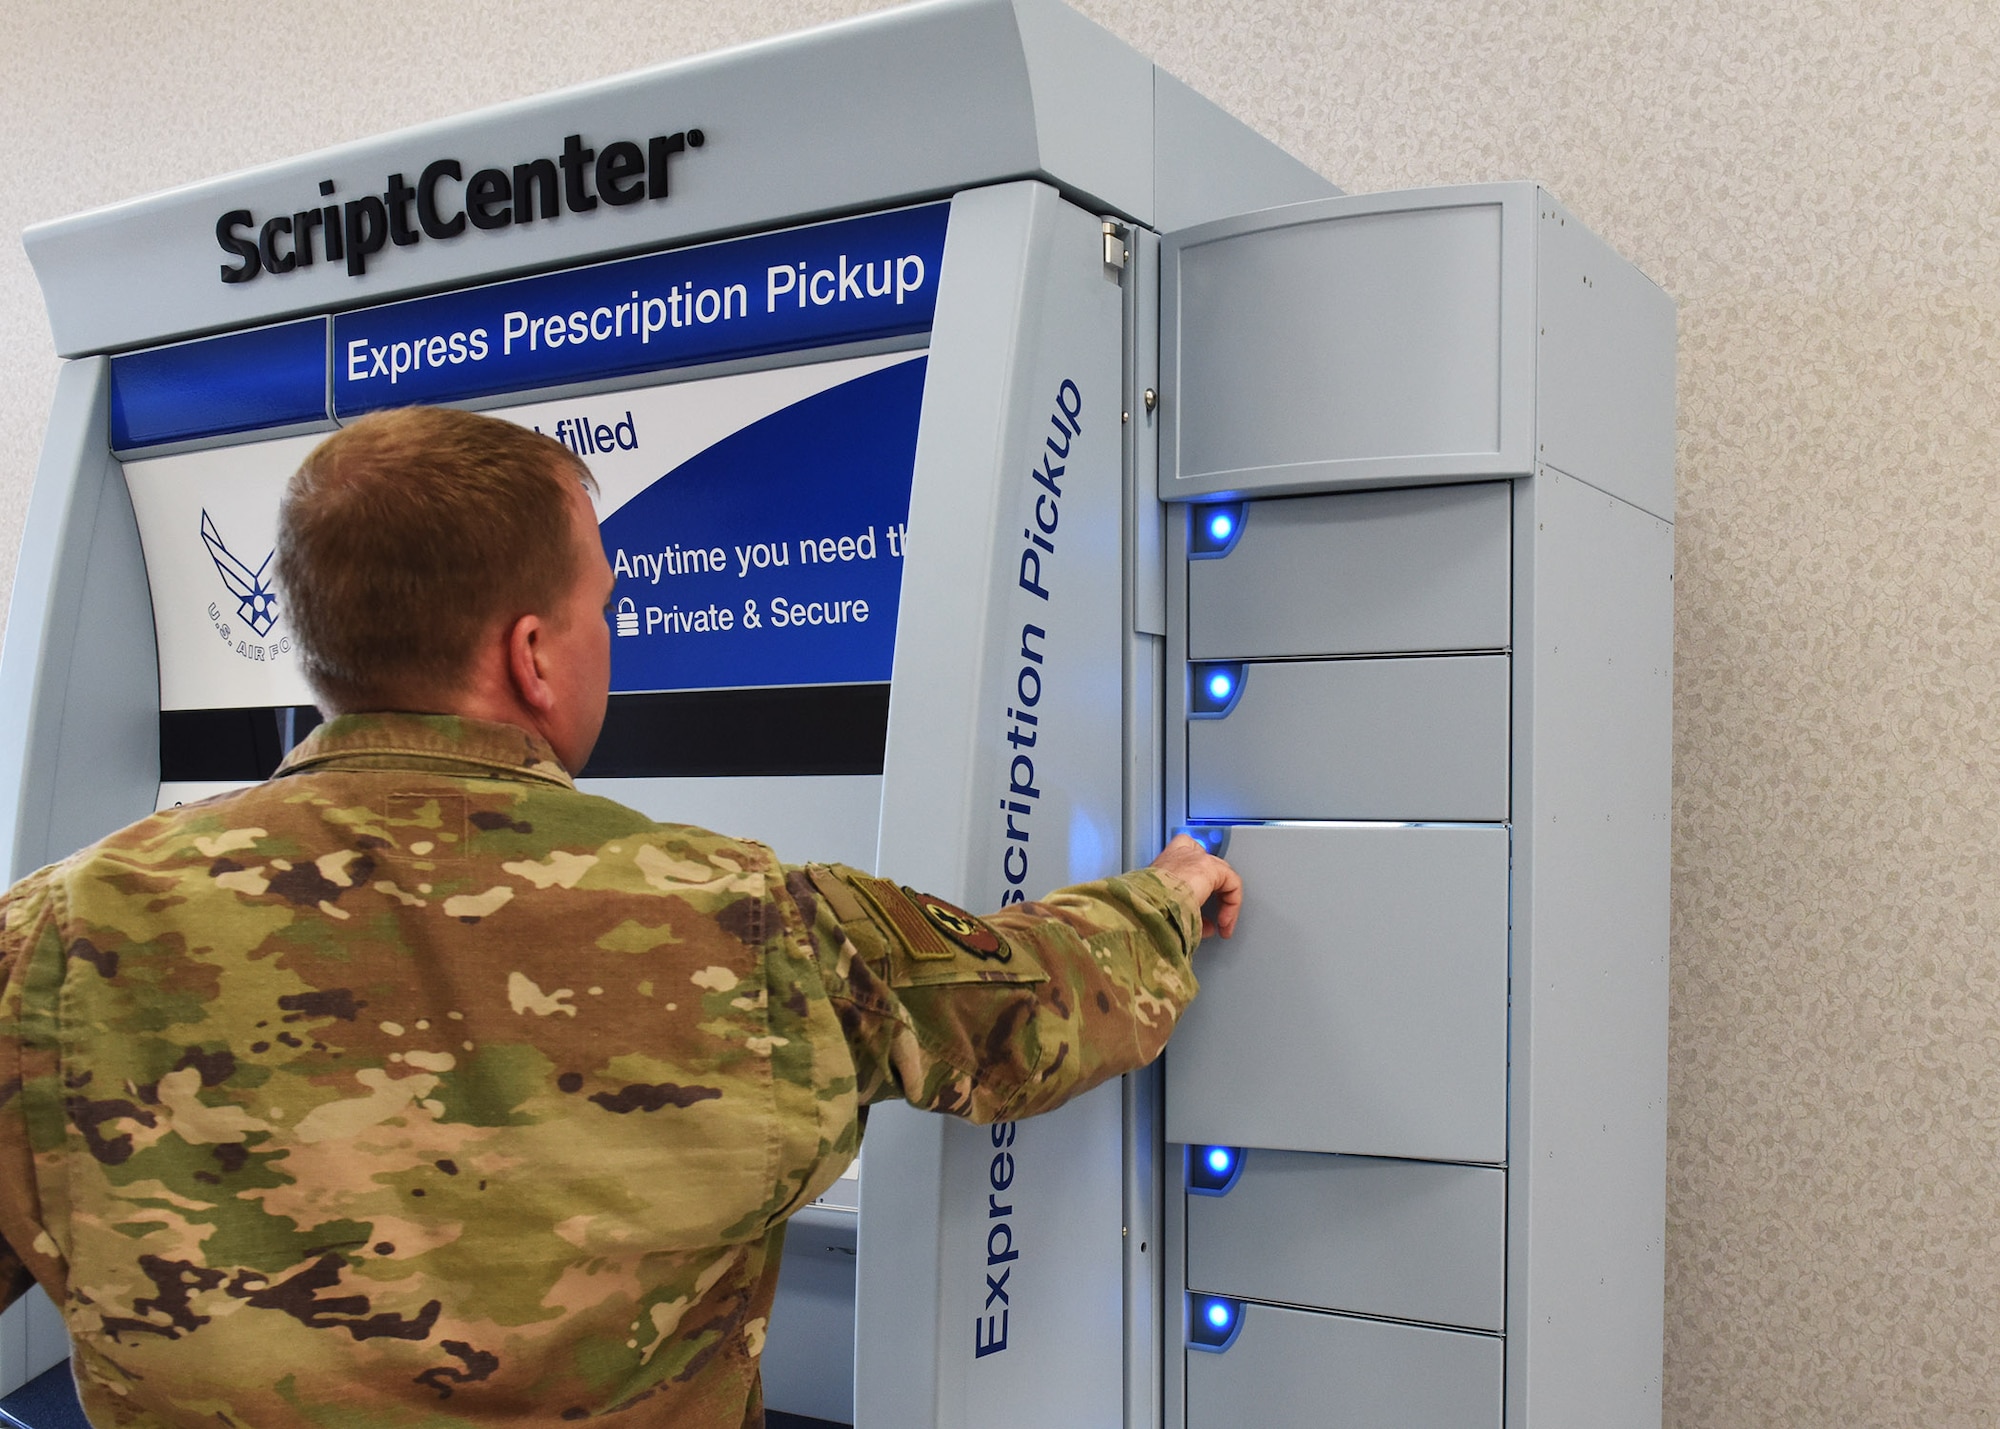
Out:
{"x": 406, "y": 537}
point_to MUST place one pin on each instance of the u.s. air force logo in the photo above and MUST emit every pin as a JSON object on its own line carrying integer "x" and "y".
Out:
{"x": 256, "y": 599}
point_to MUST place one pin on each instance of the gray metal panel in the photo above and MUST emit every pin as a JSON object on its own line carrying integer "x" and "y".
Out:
{"x": 32, "y": 1339}
{"x": 1421, "y": 738}
{"x": 1144, "y": 662}
{"x": 1379, "y": 334}
{"x": 1090, "y": 92}
{"x": 1173, "y": 1231}
{"x": 917, "y": 102}
{"x": 1408, "y": 1240}
{"x": 232, "y": 439}
{"x": 1291, "y": 1369}
{"x": 79, "y": 678}
{"x": 1606, "y": 387}
{"x": 1208, "y": 164}
{"x": 808, "y": 1361}
{"x": 79, "y": 699}
{"x": 1383, "y": 340}
{"x": 988, "y": 272}
{"x": 1026, "y": 303}
{"x": 1145, "y": 1248}
{"x": 1362, "y": 1005}
{"x": 1146, "y": 518}
{"x": 1359, "y": 573}
{"x": 1173, "y": 785}
{"x": 827, "y": 818}
{"x": 1589, "y": 1035}
{"x": 796, "y": 126}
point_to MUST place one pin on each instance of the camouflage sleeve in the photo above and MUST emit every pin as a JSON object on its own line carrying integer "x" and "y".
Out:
{"x": 1000, "y": 1017}
{"x": 24, "y": 925}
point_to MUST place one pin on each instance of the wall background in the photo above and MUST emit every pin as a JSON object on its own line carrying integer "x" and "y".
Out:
{"x": 1817, "y": 182}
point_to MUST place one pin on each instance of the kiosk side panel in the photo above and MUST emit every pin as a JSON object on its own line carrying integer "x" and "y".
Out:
{"x": 1588, "y": 1218}
{"x": 1004, "y": 1243}
{"x": 80, "y": 677}
{"x": 79, "y": 697}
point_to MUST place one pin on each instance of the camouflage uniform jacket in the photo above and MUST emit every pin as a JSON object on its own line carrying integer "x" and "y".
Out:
{"x": 414, "y": 1087}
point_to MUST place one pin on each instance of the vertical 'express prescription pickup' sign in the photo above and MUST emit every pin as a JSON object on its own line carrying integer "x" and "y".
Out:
{"x": 847, "y": 281}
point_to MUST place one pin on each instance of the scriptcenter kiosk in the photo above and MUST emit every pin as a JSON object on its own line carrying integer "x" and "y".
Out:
{"x": 1007, "y": 459}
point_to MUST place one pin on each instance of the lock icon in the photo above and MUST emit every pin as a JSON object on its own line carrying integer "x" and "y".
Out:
{"x": 627, "y": 616}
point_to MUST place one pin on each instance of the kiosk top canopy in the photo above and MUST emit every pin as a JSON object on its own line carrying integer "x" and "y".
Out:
{"x": 909, "y": 104}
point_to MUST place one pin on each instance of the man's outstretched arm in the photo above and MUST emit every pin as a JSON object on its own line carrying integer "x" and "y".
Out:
{"x": 993, "y": 1018}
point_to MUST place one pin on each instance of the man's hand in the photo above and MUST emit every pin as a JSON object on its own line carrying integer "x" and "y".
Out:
{"x": 1215, "y": 884}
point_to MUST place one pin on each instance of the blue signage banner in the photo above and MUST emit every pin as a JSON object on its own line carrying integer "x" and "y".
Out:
{"x": 846, "y": 281}
{"x": 775, "y": 556}
{"x": 239, "y": 382}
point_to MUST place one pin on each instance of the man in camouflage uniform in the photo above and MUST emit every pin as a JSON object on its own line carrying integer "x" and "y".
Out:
{"x": 414, "y": 1087}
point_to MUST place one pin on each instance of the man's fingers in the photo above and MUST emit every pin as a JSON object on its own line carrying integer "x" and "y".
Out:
{"x": 1213, "y": 881}
{"x": 1227, "y": 900}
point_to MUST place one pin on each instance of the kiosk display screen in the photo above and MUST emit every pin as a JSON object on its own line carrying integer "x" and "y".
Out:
{"x": 756, "y": 524}
{"x": 773, "y": 556}
{"x": 756, "y": 520}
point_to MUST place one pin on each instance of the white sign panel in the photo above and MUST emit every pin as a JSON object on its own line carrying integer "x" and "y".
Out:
{"x": 208, "y": 522}
{"x": 208, "y": 519}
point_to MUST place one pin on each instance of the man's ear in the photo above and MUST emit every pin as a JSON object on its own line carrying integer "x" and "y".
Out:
{"x": 526, "y": 667}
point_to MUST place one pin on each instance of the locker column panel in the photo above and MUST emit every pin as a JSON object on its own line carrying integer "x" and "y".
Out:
{"x": 1402, "y": 652}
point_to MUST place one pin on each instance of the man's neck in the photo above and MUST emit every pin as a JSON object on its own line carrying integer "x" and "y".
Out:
{"x": 471, "y": 703}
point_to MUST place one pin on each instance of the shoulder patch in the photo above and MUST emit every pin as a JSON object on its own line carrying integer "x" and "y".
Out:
{"x": 962, "y": 928}
{"x": 839, "y": 897}
{"x": 901, "y": 913}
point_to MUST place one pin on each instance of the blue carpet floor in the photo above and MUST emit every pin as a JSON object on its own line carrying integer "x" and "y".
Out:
{"x": 47, "y": 1401}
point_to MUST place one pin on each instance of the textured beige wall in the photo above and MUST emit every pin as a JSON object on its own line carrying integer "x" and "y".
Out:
{"x": 1815, "y": 182}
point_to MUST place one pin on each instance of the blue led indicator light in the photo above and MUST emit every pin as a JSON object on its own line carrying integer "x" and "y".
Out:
{"x": 1213, "y": 837}
{"x": 1215, "y": 1323}
{"x": 1213, "y": 690}
{"x": 1214, "y": 530}
{"x": 1213, "y": 1170}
